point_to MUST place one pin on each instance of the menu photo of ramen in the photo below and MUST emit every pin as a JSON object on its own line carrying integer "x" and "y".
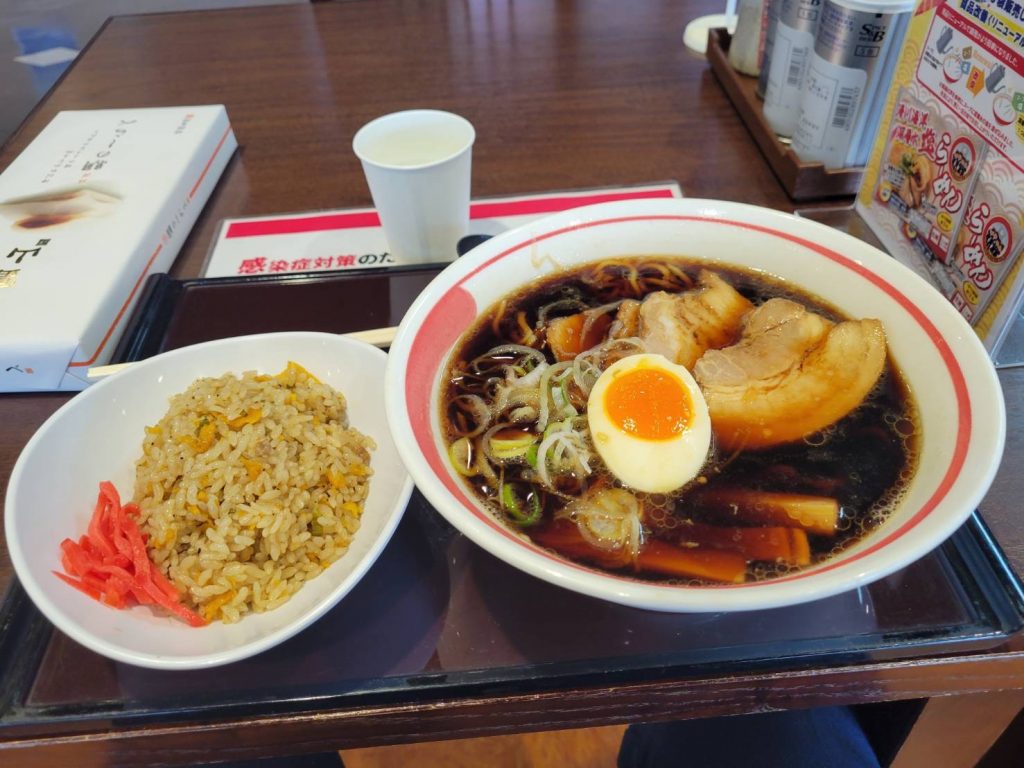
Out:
{"x": 929, "y": 169}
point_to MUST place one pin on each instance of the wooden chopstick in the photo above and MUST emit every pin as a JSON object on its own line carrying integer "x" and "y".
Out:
{"x": 378, "y": 337}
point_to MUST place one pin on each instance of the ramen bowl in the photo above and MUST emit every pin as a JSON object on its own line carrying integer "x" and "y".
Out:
{"x": 947, "y": 371}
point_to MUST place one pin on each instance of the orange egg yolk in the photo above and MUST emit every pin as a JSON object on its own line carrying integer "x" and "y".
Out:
{"x": 648, "y": 403}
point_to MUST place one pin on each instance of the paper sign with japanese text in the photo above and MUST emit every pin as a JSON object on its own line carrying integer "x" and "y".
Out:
{"x": 343, "y": 240}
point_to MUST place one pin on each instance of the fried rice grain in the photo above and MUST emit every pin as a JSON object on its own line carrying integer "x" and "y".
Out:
{"x": 250, "y": 486}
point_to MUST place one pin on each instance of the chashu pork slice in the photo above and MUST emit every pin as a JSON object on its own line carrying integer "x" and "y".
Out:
{"x": 791, "y": 374}
{"x": 683, "y": 326}
{"x": 627, "y": 320}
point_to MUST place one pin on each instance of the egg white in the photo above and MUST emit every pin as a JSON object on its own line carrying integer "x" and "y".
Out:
{"x": 652, "y": 466}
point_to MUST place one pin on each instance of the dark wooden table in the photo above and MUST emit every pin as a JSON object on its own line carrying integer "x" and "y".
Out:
{"x": 562, "y": 95}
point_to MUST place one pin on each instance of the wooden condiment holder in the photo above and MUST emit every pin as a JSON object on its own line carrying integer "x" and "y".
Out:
{"x": 801, "y": 180}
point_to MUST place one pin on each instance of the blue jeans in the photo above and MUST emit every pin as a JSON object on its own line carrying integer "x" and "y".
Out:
{"x": 828, "y": 737}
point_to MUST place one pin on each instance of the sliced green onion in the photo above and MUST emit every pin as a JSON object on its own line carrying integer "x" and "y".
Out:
{"x": 522, "y": 512}
{"x": 557, "y": 426}
{"x": 560, "y": 397}
{"x": 511, "y": 443}
{"x": 564, "y": 386}
{"x": 531, "y": 455}
{"x": 460, "y": 453}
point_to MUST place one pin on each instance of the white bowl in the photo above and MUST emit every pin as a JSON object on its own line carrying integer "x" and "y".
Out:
{"x": 948, "y": 370}
{"x": 98, "y": 436}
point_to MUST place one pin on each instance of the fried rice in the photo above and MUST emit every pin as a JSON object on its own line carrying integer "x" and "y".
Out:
{"x": 250, "y": 486}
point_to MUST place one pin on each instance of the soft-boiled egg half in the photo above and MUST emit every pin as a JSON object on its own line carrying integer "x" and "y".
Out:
{"x": 649, "y": 423}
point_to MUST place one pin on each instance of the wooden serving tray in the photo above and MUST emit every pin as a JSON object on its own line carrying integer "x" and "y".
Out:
{"x": 802, "y": 181}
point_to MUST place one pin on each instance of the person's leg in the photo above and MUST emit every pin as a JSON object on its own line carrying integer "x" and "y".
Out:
{"x": 829, "y": 737}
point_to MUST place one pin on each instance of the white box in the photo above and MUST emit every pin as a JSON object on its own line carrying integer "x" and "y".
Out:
{"x": 96, "y": 203}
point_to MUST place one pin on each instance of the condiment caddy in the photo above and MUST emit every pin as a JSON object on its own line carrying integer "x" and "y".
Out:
{"x": 802, "y": 180}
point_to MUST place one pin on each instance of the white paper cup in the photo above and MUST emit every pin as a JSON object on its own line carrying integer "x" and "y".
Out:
{"x": 417, "y": 165}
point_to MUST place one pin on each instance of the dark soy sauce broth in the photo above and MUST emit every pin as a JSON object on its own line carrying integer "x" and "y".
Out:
{"x": 864, "y": 461}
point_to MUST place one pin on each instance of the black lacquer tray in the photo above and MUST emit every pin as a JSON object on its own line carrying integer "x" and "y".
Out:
{"x": 437, "y": 617}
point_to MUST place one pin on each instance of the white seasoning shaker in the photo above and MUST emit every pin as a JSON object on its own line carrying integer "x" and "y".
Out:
{"x": 748, "y": 40}
{"x": 792, "y": 45}
{"x": 855, "y": 51}
{"x": 771, "y": 18}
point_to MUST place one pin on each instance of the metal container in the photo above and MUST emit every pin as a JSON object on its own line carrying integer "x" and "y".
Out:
{"x": 856, "y": 48}
{"x": 771, "y": 17}
{"x": 748, "y": 39}
{"x": 792, "y": 46}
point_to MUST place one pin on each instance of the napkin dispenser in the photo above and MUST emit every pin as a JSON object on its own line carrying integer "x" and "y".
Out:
{"x": 99, "y": 200}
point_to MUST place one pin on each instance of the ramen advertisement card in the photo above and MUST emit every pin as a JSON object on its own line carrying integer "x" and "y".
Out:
{"x": 944, "y": 188}
{"x": 928, "y": 171}
{"x": 990, "y": 240}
